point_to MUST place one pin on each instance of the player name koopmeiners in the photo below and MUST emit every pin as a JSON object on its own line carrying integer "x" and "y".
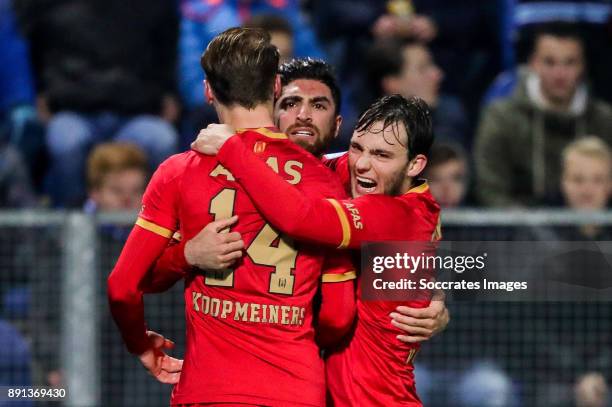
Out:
{"x": 248, "y": 311}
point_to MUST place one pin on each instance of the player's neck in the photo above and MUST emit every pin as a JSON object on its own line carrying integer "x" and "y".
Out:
{"x": 241, "y": 118}
{"x": 407, "y": 185}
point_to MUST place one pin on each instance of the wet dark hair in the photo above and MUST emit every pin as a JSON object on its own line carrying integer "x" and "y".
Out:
{"x": 315, "y": 69}
{"x": 413, "y": 113}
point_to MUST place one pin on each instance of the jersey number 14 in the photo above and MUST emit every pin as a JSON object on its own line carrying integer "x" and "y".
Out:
{"x": 263, "y": 251}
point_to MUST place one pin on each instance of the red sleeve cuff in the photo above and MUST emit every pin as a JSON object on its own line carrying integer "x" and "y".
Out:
{"x": 179, "y": 257}
{"x": 138, "y": 346}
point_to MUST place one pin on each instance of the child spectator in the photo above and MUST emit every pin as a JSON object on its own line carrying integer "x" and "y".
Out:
{"x": 117, "y": 175}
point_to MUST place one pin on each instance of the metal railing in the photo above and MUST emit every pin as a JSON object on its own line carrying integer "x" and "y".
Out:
{"x": 93, "y": 363}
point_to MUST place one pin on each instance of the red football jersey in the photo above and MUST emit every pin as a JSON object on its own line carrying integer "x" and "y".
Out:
{"x": 250, "y": 336}
{"x": 374, "y": 368}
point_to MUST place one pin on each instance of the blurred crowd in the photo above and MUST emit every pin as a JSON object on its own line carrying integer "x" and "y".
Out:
{"x": 511, "y": 84}
{"x": 95, "y": 94}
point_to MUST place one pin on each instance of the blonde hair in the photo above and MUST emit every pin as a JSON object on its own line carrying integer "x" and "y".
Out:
{"x": 112, "y": 157}
{"x": 590, "y": 146}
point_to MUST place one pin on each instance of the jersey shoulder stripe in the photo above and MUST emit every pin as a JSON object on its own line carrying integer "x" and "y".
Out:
{"x": 266, "y": 132}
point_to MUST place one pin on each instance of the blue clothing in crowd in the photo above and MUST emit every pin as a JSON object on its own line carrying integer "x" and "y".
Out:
{"x": 16, "y": 84}
{"x": 201, "y": 20}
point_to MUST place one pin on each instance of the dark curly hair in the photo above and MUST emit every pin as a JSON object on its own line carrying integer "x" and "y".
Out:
{"x": 315, "y": 69}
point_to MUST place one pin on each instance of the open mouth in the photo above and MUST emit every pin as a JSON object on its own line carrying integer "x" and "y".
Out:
{"x": 366, "y": 185}
{"x": 303, "y": 132}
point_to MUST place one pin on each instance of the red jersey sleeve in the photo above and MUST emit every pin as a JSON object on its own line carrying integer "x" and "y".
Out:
{"x": 124, "y": 291}
{"x": 159, "y": 213}
{"x": 150, "y": 236}
{"x": 341, "y": 223}
{"x": 377, "y": 217}
{"x": 338, "y": 308}
{"x": 338, "y": 267}
{"x": 168, "y": 269}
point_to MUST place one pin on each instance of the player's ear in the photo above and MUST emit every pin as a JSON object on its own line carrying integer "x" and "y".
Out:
{"x": 208, "y": 93}
{"x": 277, "y": 86}
{"x": 416, "y": 166}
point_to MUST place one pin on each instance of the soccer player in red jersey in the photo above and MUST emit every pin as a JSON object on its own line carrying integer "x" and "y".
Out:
{"x": 387, "y": 152}
{"x": 250, "y": 336}
{"x": 308, "y": 112}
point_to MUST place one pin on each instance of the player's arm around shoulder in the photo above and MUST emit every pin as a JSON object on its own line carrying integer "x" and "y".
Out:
{"x": 370, "y": 218}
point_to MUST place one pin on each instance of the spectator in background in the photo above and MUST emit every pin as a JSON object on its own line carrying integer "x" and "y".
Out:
{"x": 202, "y": 20}
{"x": 281, "y": 33}
{"x": 116, "y": 174}
{"x": 591, "y": 390}
{"x": 18, "y": 124}
{"x": 105, "y": 70}
{"x": 349, "y": 26}
{"x": 447, "y": 174}
{"x": 281, "y": 36}
{"x": 466, "y": 46}
{"x": 407, "y": 68}
{"x": 15, "y": 184}
{"x": 16, "y": 112}
{"x": 16, "y": 83}
{"x": 401, "y": 21}
{"x": 480, "y": 383}
{"x": 462, "y": 35}
{"x": 586, "y": 179}
{"x": 15, "y": 364}
{"x": 586, "y": 183}
{"x": 520, "y": 138}
{"x": 593, "y": 18}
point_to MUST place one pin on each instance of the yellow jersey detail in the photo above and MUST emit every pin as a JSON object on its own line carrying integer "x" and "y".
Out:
{"x": 265, "y": 132}
{"x": 152, "y": 227}
{"x": 411, "y": 355}
{"x": 259, "y": 147}
{"x": 338, "y": 278}
{"x": 419, "y": 189}
{"x": 344, "y": 222}
{"x": 437, "y": 233}
{"x": 271, "y": 134}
